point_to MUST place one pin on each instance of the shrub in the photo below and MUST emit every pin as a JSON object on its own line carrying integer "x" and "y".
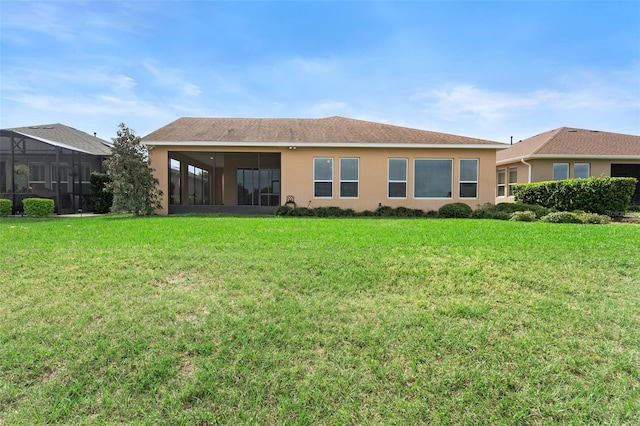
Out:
{"x": 455, "y": 210}
{"x": 101, "y": 197}
{"x": 502, "y": 215}
{"x": 431, "y": 214}
{"x": 5, "y": 207}
{"x": 600, "y": 195}
{"x": 504, "y": 211}
{"x": 523, "y": 216}
{"x": 38, "y": 207}
{"x": 561, "y": 217}
{"x": 539, "y": 211}
{"x": 482, "y": 213}
{"x": 284, "y": 211}
{"x": 594, "y": 218}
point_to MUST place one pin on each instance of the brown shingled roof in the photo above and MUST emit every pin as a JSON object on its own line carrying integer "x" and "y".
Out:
{"x": 567, "y": 141}
{"x": 66, "y": 136}
{"x": 299, "y": 130}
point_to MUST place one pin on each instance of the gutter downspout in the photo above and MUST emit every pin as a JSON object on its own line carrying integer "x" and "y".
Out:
{"x": 528, "y": 165}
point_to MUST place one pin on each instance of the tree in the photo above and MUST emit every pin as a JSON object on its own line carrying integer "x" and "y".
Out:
{"x": 134, "y": 188}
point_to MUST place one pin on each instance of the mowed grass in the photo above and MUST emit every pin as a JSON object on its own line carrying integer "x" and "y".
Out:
{"x": 239, "y": 320}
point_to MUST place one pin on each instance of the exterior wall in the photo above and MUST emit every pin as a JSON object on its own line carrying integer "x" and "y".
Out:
{"x": 297, "y": 175}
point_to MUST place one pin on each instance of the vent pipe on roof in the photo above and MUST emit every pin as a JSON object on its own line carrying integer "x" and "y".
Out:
{"x": 511, "y": 140}
{"x": 95, "y": 134}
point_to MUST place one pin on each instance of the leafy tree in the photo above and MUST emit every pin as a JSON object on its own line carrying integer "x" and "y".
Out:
{"x": 134, "y": 188}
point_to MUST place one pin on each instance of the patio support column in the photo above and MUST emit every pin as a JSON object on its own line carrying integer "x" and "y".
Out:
{"x": 12, "y": 180}
{"x": 58, "y": 178}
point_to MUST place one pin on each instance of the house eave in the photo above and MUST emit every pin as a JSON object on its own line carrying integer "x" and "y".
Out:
{"x": 568, "y": 157}
{"x": 320, "y": 145}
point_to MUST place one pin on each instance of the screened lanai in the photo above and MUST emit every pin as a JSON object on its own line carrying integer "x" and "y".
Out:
{"x": 49, "y": 161}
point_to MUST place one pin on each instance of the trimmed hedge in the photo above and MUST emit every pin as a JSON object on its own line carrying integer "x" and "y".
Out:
{"x": 382, "y": 211}
{"x": 525, "y": 216}
{"x": 5, "y": 207}
{"x": 455, "y": 210}
{"x": 602, "y": 195}
{"x": 38, "y": 207}
{"x": 504, "y": 211}
{"x": 576, "y": 217}
{"x": 101, "y": 197}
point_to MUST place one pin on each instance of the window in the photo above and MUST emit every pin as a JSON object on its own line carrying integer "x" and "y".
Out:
{"x": 175, "y": 191}
{"x": 323, "y": 177}
{"x": 501, "y": 182}
{"x": 469, "y": 178}
{"x": 198, "y": 185}
{"x": 397, "y": 178}
{"x": 513, "y": 179}
{"x": 86, "y": 173}
{"x": 36, "y": 173}
{"x": 64, "y": 171}
{"x": 581, "y": 170}
{"x": 433, "y": 178}
{"x": 349, "y": 177}
{"x": 560, "y": 171}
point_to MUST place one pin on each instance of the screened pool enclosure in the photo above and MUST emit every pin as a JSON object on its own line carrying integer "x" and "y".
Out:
{"x": 50, "y": 161}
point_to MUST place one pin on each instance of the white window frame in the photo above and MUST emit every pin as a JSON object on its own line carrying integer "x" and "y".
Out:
{"x": 468, "y": 181}
{"x": 330, "y": 159}
{"x": 390, "y": 181}
{"x": 357, "y": 180}
{"x": 415, "y": 161}
{"x": 582, "y": 164}
{"x": 511, "y": 183}
{"x": 553, "y": 171}
{"x": 501, "y": 186}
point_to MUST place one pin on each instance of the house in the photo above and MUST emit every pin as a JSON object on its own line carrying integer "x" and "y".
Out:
{"x": 257, "y": 164}
{"x": 566, "y": 153}
{"x": 49, "y": 161}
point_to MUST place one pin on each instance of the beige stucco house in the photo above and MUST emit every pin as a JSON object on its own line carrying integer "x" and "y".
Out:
{"x": 566, "y": 153}
{"x": 255, "y": 165}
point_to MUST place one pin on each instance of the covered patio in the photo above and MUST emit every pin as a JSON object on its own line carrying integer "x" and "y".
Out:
{"x": 226, "y": 182}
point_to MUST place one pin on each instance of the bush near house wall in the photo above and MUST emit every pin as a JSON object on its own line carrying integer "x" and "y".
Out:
{"x": 101, "y": 197}
{"x": 455, "y": 210}
{"x": 38, "y": 207}
{"x": 602, "y": 195}
{"x": 5, "y": 207}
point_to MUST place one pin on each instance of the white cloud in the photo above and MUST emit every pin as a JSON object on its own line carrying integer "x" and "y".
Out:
{"x": 171, "y": 78}
{"x": 312, "y": 65}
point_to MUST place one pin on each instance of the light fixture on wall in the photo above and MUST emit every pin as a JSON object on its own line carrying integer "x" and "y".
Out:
{"x": 292, "y": 147}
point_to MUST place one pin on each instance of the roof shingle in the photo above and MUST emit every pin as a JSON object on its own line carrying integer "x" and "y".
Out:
{"x": 567, "y": 141}
{"x": 299, "y": 130}
{"x": 66, "y": 136}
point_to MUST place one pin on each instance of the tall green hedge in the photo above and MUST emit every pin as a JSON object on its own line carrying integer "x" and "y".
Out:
{"x": 101, "y": 197}
{"x": 602, "y": 195}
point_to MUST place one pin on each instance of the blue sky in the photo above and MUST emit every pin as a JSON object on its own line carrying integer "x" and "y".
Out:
{"x": 486, "y": 69}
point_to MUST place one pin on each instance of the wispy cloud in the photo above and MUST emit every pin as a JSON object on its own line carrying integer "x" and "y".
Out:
{"x": 172, "y": 79}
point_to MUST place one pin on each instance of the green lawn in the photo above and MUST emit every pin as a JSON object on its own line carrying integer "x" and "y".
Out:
{"x": 205, "y": 320}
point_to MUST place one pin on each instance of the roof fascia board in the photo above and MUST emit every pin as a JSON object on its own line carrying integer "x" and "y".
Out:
{"x": 568, "y": 157}
{"x": 322, "y": 144}
{"x": 54, "y": 143}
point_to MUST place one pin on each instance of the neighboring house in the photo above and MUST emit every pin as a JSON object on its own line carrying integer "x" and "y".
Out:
{"x": 255, "y": 165}
{"x": 567, "y": 153}
{"x": 49, "y": 161}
